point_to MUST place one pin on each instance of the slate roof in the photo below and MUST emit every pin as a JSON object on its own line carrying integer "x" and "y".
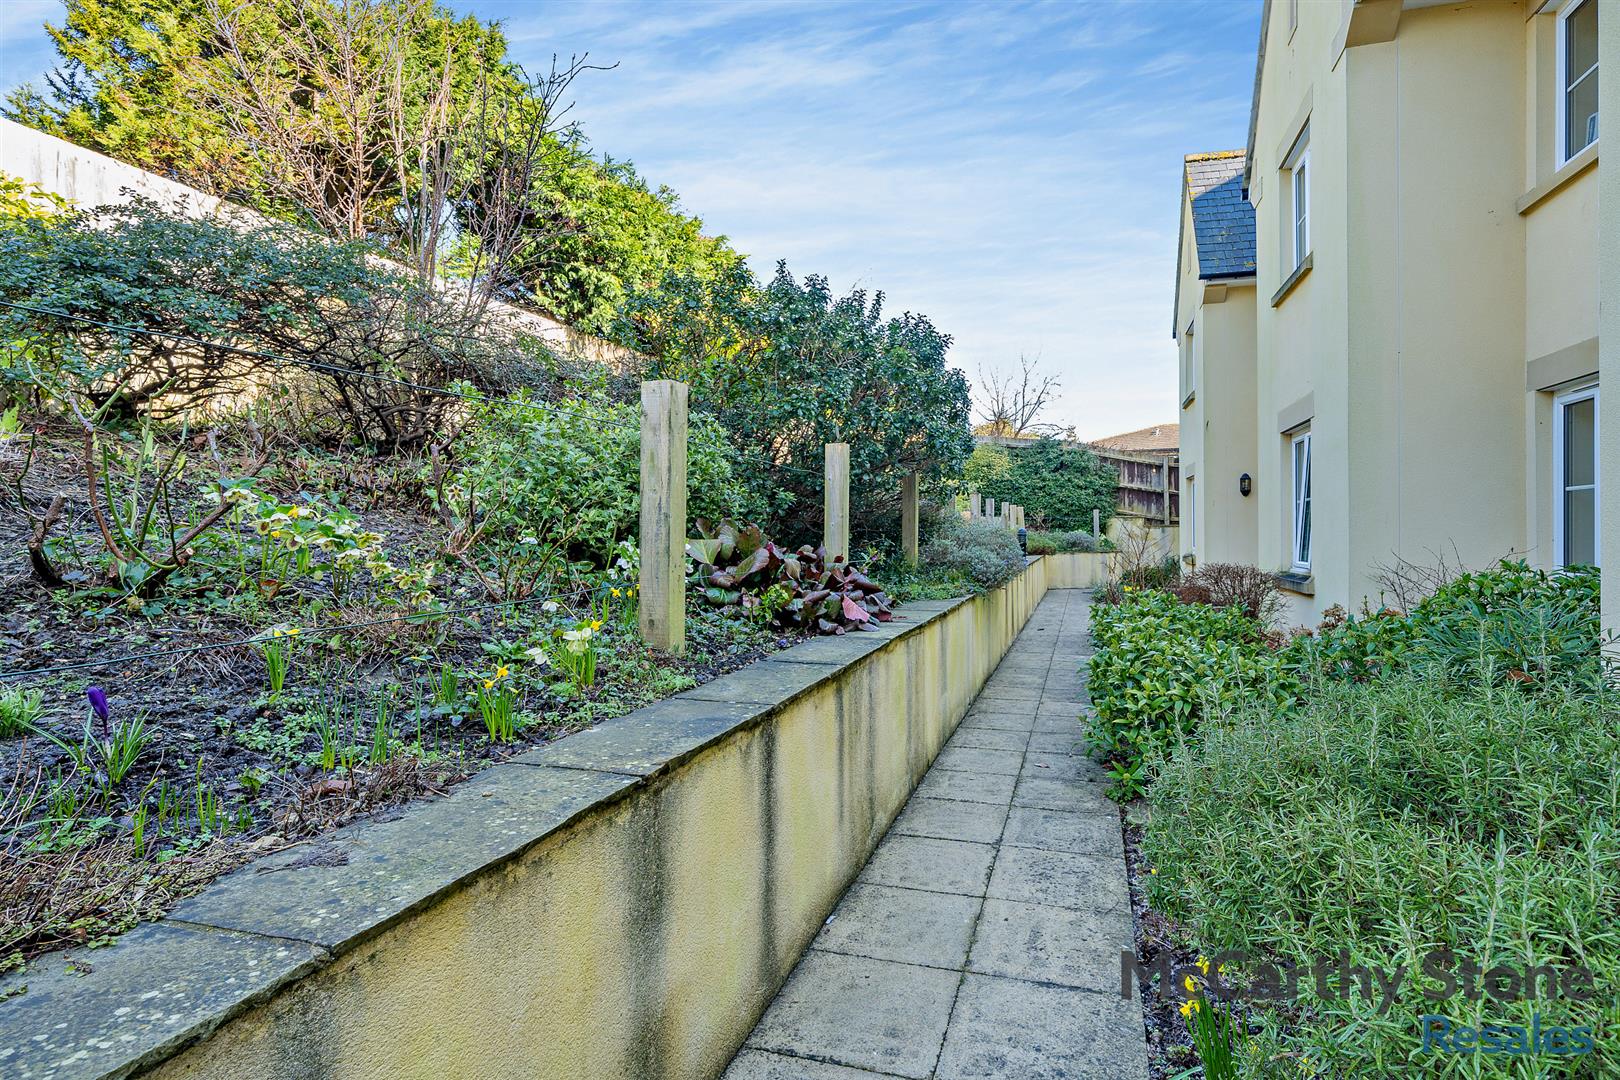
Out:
{"x": 1223, "y": 220}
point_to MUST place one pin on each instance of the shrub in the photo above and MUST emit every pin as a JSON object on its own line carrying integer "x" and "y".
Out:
{"x": 979, "y": 551}
{"x": 384, "y": 343}
{"x": 1041, "y": 543}
{"x": 570, "y": 472}
{"x": 1508, "y": 624}
{"x": 787, "y": 366}
{"x": 1392, "y": 819}
{"x": 1057, "y": 485}
{"x": 736, "y": 567}
{"x": 1162, "y": 665}
{"x": 1225, "y": 584}
{"x": 1078, "y": 540}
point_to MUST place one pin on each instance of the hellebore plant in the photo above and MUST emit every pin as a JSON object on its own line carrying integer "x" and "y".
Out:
{"x": 577, "y": 657}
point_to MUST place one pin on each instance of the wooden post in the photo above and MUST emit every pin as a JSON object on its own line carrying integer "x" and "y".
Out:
{"x": 908, "y": 518}
{"x": 1096, "y": 524}
{"x": 989, "y": 507}
{"x": 835, "y": 502}
{"x": 973, "y": 506}
{"x": 663, "y": 515}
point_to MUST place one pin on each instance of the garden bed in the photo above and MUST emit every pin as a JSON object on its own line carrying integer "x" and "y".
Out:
{"x": 205, "y": 765}
{"x": 623, "y": 901}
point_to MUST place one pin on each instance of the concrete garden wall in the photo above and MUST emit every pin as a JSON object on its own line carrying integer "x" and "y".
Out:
{"x": 621, "y": 903}
{"x": 1078, "y": 569}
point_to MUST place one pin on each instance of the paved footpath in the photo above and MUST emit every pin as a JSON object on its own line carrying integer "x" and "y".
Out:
{"x": 983, "y": 938}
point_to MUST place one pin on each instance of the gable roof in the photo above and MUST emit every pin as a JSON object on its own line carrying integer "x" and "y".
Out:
{"x": 1223, "y": 220}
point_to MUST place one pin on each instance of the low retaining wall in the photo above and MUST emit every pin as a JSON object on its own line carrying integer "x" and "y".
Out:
{"x": 1079, "y": 570}
{"x": 621, "y": 903}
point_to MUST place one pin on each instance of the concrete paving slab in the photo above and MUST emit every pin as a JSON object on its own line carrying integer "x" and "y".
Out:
{"x": 1006, "y": 1028}
{"x": 763, "y": 1065}
{"x": 1060, "y": 879}
{"x": 1059, "y": 830}
{"x": 1053, "y": 794}
{"x": 1002, "y": 715}
{"x": 926, "y": 862}
{"x": 969, "y": 787}
{"x": 980, "y": 760}
{"x": 869, "y": 1014}
{"x": 1056, "y": 742}
{"x": 951, "y": 819}
{"x": 1063, "y": 766}
{"x": 908, "y": 926}
{"x": 1046, "y": 944}
{"x": 988, "y": 739}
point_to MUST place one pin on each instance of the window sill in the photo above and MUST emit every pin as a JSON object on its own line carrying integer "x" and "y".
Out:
{"x": 1574, "y": 167}
{"x": 1293, "y": 279}
{"x": 1295, "y": 582}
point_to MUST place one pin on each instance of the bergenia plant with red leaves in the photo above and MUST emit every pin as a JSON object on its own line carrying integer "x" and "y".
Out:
{"x": 736, "y": 566}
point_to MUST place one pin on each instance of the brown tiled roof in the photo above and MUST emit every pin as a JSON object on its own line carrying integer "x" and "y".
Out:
{"x": 1155, "y": 439}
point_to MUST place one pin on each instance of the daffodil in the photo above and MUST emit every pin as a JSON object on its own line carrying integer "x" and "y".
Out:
{"x": 596, "y": 624}
{"x": 1189, "y": 1007}
{"x": 616, "y": 593}
{"x": 1203, "y": 965}
{"x": 501, "y": 672}
{"x": 1191, "y": 986}
{"x": 488, "y": 683}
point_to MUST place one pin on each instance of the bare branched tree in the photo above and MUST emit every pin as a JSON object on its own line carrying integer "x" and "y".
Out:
{"x": 372, "y": 140}
{"x": 1012, "y": 401}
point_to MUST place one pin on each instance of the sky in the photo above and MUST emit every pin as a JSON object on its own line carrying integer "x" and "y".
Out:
{"x": 1010, "y": 169}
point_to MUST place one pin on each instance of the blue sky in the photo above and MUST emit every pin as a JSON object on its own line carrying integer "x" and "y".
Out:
{"x": 1010, "y": 169}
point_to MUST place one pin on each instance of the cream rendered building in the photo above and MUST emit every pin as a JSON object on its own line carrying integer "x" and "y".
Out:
{"x": 1214, "y": 332}
{"x": 1424, "y": 180}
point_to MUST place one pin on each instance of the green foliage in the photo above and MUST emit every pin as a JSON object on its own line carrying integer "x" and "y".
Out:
{"x": 735, "y": 566}
{"x": 22, "y": 200}
{"x": 1390, "y": 819}
{"x": 1057, "y": 485}
{"x": 1039, "y": 542}
{"x": 130, "y": 86}
{"x": 977, "y": 551}
{"x": 787, "y": 367}
{"x": 1162, "y": 666}
{"x": 604, "y": 234}
{"x": 1510, "y": 624}
{"x": 148, "y": 83}
{"x": 242, "y": 290}
{"x": 572, "y": 474}
{"x": 20, "y": 710}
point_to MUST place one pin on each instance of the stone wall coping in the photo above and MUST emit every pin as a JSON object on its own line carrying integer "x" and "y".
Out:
{"x": 166, "y": 985}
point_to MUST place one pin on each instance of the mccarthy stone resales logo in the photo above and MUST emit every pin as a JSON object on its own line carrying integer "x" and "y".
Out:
{"x": 1446, "y": 977}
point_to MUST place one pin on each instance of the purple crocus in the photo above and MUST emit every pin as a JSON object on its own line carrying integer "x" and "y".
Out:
{"x": 98, "y": 705}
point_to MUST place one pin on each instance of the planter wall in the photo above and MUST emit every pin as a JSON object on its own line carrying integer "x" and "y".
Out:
{"x": 621, "y": 903}
{"x": 1079, "y": 570}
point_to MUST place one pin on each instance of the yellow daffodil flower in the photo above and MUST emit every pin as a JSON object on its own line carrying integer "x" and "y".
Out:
{"x": 501, "y": 672}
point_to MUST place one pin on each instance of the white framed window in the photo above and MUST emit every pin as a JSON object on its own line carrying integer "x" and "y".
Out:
{"x": 1575, "y": 477}
{"x": 1300, "y": 455}
{"x": 1298, "y": 167}
{"x": 1577, "y": 74}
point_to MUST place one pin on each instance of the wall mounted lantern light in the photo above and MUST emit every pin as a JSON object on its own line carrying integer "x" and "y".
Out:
{"x": 1244, "y": 485}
